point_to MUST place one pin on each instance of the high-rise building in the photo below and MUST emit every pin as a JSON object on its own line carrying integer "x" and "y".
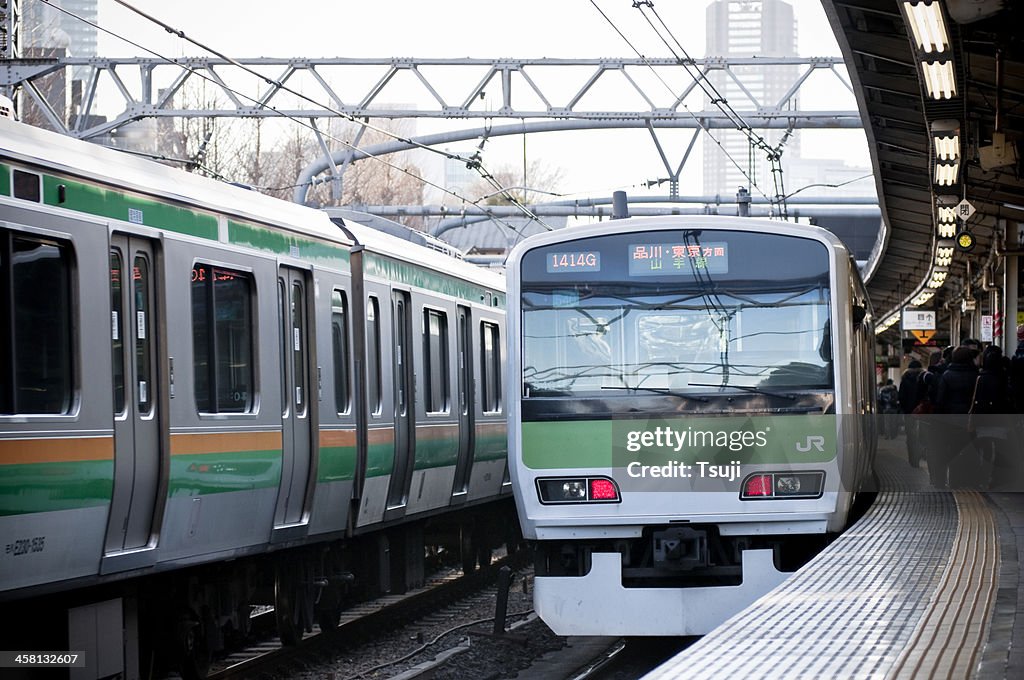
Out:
{"x": 81, "y": 35}
{"x": 42, "y": 24}
{"x": 48, "y": 32}
{"x": 748, "y": 28}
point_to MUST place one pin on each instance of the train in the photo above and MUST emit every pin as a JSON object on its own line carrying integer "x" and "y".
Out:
{"x": 690, "y": 414}
{"x": 213, "y": 400}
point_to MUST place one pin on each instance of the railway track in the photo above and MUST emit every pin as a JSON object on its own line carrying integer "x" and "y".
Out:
{"x": 632, "y": 658}
{"x": 361, "y": 623}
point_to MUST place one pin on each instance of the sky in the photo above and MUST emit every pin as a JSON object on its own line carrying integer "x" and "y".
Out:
{"x": 590, "y": 162}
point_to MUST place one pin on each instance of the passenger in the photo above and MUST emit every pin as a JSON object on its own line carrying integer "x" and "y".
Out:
{"x": 975, "y": 346}
{"x": 928, "y": 388}
{"x": 909, "y": 399}
{"x": 988, "y": 420}
{"x": 1016, "y": 375}
{"x": 949, "y": 436}
{"x": 889, "y": 404}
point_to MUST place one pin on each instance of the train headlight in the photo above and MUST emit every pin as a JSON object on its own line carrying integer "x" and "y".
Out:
{"x": 574, "y": 490}
{"x": 776, "y": 485}
{"x": 787, "y": 484}
{"x": 578, "y": 490}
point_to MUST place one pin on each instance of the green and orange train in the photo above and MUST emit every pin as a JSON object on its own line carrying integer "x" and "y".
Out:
{"x": 212, "y": 399}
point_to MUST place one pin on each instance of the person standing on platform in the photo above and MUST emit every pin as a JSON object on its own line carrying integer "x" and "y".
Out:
{"x": 1017, "y": 373}
{"x": 954, "y": 396}
{"x": 908, "y": 400}
{"x": 889, "y": 403}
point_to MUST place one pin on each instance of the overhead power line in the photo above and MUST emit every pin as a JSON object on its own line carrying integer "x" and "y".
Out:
{"x": 364, "y": 124}
{"x": 755, "y": 140}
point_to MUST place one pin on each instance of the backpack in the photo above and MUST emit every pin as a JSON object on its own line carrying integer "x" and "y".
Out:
{"x": 925, "y": 382}
{"x": 888, "y": 397}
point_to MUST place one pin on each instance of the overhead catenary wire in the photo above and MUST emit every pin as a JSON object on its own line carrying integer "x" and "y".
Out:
{"x": 755, "y": 140}
{"x": 672, "y": 90}
{"x": 471, "y": 163}
{"x": 477, "y": 165}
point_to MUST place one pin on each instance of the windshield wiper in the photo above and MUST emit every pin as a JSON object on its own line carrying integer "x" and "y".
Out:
{"x": 748, "y": 388}
{"x": 657, "y": 390}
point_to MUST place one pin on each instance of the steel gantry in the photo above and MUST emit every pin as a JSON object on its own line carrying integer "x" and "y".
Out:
{"x": 542, "y": 94}
{"x": 529, "y": 88}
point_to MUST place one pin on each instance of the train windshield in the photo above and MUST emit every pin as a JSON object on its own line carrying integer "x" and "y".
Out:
{"x": 684, "y": 312}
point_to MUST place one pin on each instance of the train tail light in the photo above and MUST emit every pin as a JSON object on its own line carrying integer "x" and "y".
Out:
{"x": 578, "y": 490}
{"x": 603, "y": 490}
{"x": 776, "y": 485}
{"x": 757, "y": 486}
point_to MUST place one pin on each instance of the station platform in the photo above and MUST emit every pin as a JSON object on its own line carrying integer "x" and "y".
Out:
{"x": 925, "y": 585}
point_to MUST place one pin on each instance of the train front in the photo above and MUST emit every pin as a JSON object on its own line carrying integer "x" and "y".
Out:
{"x": 674, "y": 388}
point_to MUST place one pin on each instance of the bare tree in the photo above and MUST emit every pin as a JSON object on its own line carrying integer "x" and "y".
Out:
{"x": 389, "y": 180}
{"x": 535, "y": 185}
{"x": 281, "y": 164}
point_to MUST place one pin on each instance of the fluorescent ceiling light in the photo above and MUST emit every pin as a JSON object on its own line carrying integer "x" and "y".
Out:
{"x": 928, "y": 26}
{"x": 946, "y": 139}
{"x": 946, "y": 174}
{"x": 947, "y": 229}
{"x": 947, "y": 148}
{"x": 939, "y": 79}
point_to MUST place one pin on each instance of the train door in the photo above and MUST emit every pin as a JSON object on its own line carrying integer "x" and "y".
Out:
{"x": 464, "y": 350}
{"x": 137, "y": 437}
{"x": 402, "y": 372}
{"x": 296, "y": 421}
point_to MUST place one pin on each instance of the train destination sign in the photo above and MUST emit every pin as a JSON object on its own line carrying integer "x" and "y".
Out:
{"x": 579, "y": 261}
{"x": 678, "y": 259}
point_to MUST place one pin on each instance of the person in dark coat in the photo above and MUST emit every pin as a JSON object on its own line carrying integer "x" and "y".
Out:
{"x": 908, "y": 400}
{"x": 989, "y": 420}
{"x": 956, "y": 385}
{"x": 928, "y": 388}
{"x": 889, "y": 404}
{"x": 991, "y": 394}
{"x": 954, "y": 396}
{"x": 1017, "y": 373}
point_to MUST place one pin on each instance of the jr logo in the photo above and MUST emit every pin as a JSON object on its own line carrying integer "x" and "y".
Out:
{"x": 813, "y": 441}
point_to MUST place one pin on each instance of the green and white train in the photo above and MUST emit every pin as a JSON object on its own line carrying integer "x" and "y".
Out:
{"x": 689, "y": 414}
{"x": 211, "y": 399}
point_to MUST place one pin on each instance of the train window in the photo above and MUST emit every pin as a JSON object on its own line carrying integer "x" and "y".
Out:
{"x": 435, "y": 357}
{"x": 342, "y": 358}
{"x": 490, "y": 367}
{"x": 222, "y": 339}
{"x": 143, "y": 335}
{"x": 116, "y": 339}
{"x": 26, "y": 186}
{"x": 373, "y": 355}
{"x": 35, "y": 307}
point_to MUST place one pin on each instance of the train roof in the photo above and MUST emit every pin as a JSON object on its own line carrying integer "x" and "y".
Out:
{"x": 95, "y": 162}
{"x": 666, "y": 222}
{"x": 428, "y": 255}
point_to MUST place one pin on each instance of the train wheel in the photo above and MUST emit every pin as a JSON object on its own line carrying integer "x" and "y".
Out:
{"x": 293, "y": 605}
{"x": 467, "y": 550}
{"x": 483, "y": 555}
{"x": 328, "y": 609}
{"x": 194, "y": 658}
